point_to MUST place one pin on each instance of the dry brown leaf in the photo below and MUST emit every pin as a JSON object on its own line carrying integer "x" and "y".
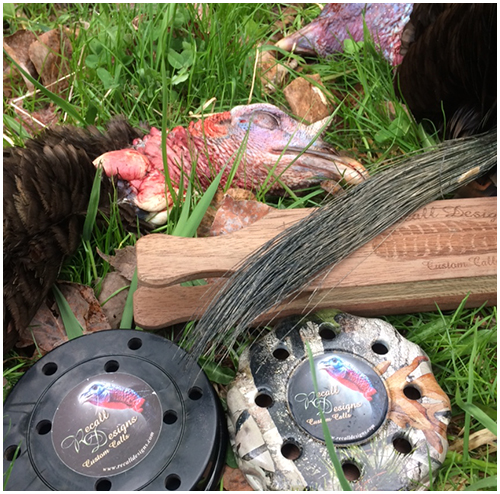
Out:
{"x": 236, "y": 193}
{"x": 136, "y": 21}
{"x": 17, "y": 46}
{"x": 47, "y": 328}
{"x": 476, "y": 440}
{"x": 456, "y": 483}
{"x": 36, "y": 121}
{"x": 332, "y": 187}
{"x": 124, "y": 261}
{"x": 286, "y": 19}
{"x": 47, "y": 116}
{"x": 113, "y": 307}
{"x": 234, "y": 480}
{"x": 272, "y": 73}
{"x": 240, "y": 194}
{"x": 50, "y": 55}
{"x": 306, "y": 100}
{"x": 233, "y": 215}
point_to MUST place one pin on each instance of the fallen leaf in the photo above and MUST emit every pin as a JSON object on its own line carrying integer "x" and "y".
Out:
{"x": 113, "y": 298}
{"x": 233, "y": 215}
{"x": 136, "y": 21}
{"x": 456, "y": 483}
{"x": 36, "y": 121}
{"x": 234, "y": 480}
{"x": 306, "y": 100}
{"x": 272, "y": 72}
{"x": 50, "y": 54}
{"x": 47, "y": 329}
{"x": 236, "y": 193}
{"x": 124, "y": 261}
{"x": 17, "y": 46}
{"x": 389, "y": 108}
{"x": 47, "y": 116}
{"x": 482, "y": 187}
{"x": 239, "y": 194}
{"x": 355, "y": 97}
{"x": 287, "y": 17}
{"x": 476, "y": 440}
{"x": 332, "y": 187}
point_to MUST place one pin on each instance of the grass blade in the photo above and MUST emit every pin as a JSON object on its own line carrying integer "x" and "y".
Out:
{"x": 95, "y": 195}
{"x": 128, "y": 311}
{"x": 193, "y": 222}
{"x": 183, "y": 217}
{"x": 60, "y": 102}
{"x": 71, "y": 325}
{"x": 8, "y": 472}
{"x": 16, "y": 127}
{"x": 487, "y": 483}
{"x": 346, "y": 486}
{"x": 230, "y": 458}
{"x": 216, "y": 373}
{"x": 481, "y": 416}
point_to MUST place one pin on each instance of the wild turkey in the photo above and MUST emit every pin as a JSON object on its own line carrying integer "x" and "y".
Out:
{"x": 47, "y": 184}
{"x": 446, "y": 56}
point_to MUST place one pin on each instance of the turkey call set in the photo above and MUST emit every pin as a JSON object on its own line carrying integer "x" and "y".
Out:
{"x": 260, "y": 344}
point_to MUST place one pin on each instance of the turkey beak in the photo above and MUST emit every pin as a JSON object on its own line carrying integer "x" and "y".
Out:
{"x": 301, "y": 42}
{"x": 328, "y": 165}
{"x": 323, "y": 160}
{"x": 322, "y": 366}
{"x": 84, "y": 398}
{"x": 352, "y": 171}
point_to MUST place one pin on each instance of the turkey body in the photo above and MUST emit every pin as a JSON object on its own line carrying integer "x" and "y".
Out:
{"x": 46, "y": 191}
{"x": 448, "y": 74}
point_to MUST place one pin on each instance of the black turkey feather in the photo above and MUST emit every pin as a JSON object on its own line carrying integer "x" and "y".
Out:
{"x": 46, "y": 191}
{"x": 448, "y": 74}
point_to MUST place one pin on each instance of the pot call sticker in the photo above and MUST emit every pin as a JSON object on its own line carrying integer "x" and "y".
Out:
{"x": 107, "y": 424}
{"x": 351, "y": 395}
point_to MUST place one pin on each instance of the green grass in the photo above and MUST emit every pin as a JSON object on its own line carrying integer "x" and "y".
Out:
{"x": 332, "y": 453}
{"x": 172, "y": 65}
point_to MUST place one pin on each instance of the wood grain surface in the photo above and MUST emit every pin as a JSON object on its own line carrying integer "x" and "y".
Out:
{"x": 438, "y": 255}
